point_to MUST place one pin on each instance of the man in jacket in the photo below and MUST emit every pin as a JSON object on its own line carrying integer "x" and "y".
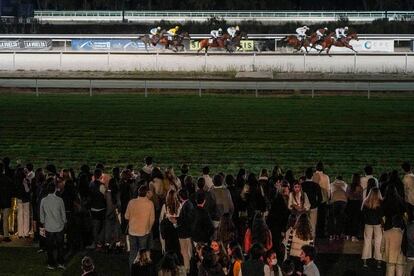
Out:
{"x": 184, "y": 222}
{"x": 53, "y": 217}
{"x": 322, "y": 179}
{"x": 6, "y": 192}
{"x": 203, "y": 228}
{"x": 313, "y": 191}
{"x": 97, "y": 205}
{"x": 222, "y": 198}
{"x": 408, "y": 181}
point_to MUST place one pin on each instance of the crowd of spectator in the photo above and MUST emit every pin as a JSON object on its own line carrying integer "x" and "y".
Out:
{"x": 220, "y": 224}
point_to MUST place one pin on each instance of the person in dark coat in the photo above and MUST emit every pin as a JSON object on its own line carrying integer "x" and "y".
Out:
{"x": 184, "y": 221}
{"x": 203, "y": 228}
{"x": 255, "y": 265}
{"x": 6, "y": 193}
{"x": 277, "y": 218}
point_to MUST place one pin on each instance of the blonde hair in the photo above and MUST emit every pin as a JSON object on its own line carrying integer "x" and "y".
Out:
{"x": 373, "y": 200}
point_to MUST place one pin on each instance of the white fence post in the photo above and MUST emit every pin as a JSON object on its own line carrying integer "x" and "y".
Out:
{"x": 304, "y": 62}
{"x": 107, "y": 60}
{"x": 313, "y": 90}
{"x": 37, "y": 89}
{"x": 14, "y": 60}
{"x": 90, "y": 88}
{"x": 146, "y": 89}
{"x": 355, "y": 63}
{"x": 156, "y": 61}
{"x": 60, "y": 61}
{"x": 406, "y": 63}
{"x": 257, "y": 91}
{"x": 254, "y": 61}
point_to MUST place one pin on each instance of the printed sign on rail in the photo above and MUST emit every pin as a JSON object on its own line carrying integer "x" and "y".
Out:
{"x": 247, "y": 45}
{"x": 106, "y": 45}
{"x": 25, "y": 44}
{"x": 367, "y": 46}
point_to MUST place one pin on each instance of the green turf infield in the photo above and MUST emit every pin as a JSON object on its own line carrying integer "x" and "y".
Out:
{"x": 225, "y": 132}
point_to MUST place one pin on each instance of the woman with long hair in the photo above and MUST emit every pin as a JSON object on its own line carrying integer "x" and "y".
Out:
{"x": 234, "y": 251}
{"x": 298, "y": 200}
{"x": 300, "y": 235}
{"x": 171, "y": 181}
{"x": 258, "y": 233}
{"x": 226, "y": 231}
{"x": 372, "y": 215}
{"x": 271, "y": 267}
{"x": 393, "y": 205}
{"x": 220, "y": 254}
{"x": 168, "y": 220}
{"x": 353, "y": 209}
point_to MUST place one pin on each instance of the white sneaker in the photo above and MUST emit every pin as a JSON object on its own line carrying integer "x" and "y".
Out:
{"x": 50, "y": 267}
{"x": 61, "y": 266}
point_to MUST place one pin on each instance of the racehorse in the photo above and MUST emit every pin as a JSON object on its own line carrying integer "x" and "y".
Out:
{"x": 297, "y": 44}
{"x": 330, "y": 41}
{"x": 220, "y": 42}
{"x": 234, "y": 43}
{"x": 177, "y": 42}
{"x": 148, "y": 40}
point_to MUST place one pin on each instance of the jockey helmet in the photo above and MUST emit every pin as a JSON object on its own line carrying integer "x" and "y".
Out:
{"x": 346, "y": 28}
{"x": 159, "y": 28}
{"x": 237, "y": 28}
{"x": 220, "y": 30}
{"x": 177, "y": 27}
{"x": 326, "y": 28}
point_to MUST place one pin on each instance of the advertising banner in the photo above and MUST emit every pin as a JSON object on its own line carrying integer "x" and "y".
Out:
{"x": 25, "y": 44}
{"x": 367, "y": 46}
{"x": 248, "y": 45}
{"x": 106, "y": 45}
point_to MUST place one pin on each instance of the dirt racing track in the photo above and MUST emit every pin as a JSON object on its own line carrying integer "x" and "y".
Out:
{"x": 122, "y": 61}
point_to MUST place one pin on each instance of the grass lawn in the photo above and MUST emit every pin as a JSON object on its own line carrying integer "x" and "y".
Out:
{"x": 225, "y": 132}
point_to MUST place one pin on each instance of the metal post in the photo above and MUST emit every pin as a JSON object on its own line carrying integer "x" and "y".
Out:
{"x": 107, "y": 60}
{"x": 304, "y": 62}
{"x": 254, "y": 61}
{"x": 256, "y": 92}
{"x": 37, "y": 89}
{"x": 199, "y": 88}
{"x": 369, "y": 90}
{"x": 60, "y": 61}
{"x": 146, "y": 89}
{"x": 205, "y": 61}
{"x": 406, "y": 63}
{"x": 355, "y": 63}
{"x": 156, "y": 61}
{"x": 65, "y": 46}
{"x": 90, "y": 88}
{"x": 313, "y": 90}
{"x": 14, "y": 60}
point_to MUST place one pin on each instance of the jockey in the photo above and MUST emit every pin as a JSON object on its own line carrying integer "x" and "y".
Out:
{"x": 301, "y": 31}
{"x": 172, "y": 32}
{"x": 321, "y": 32}
{"x": 155, "y": 31}
{"x": 340, "y": 33}
{"x": 232, "y": 31}
{"x": 216, "y": 33}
